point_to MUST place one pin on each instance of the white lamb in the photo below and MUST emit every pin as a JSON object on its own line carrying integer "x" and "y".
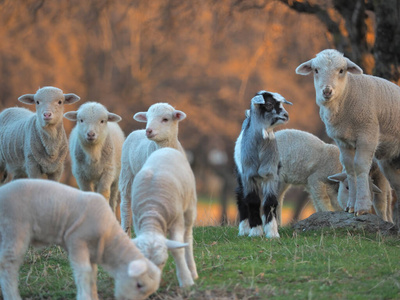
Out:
{"x": 42, "y": 212}
{"x": 307, "y": 161}
{"x": 95, "y": 145}
{"x": 161, "y": 131}
{"x": 361, "y": 113}
{"x": 35, "y": 144}
{"x": 164, "y": 202}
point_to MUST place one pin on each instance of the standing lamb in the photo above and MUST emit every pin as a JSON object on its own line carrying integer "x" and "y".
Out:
{"x": 257, "y": 163}
{"x": 164, "y": 202}
{"x": 42, "y": 212}
{"x": 361, "y": 113}
{"x": 35, "y": 144}
{"x": 161, "y": 131}
{"x": 95, "y": 144}
{"x": 307, "y": 161}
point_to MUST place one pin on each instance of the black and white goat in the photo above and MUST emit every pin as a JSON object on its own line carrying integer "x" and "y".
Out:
{"x": 257, "y": 163}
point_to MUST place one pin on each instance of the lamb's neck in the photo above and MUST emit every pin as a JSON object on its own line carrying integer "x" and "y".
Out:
{"x": 119, "y": 250}
{"x": 152, "y": 221}
{"x": 171, "y": 143}
{"x": 53, "y": 138}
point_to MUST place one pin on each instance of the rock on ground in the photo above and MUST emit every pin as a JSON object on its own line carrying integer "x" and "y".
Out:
{"x": 339, "y": 219}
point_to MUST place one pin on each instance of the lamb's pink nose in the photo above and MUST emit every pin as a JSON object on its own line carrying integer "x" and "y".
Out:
{"x": 47, "y": 115}
{"x": 149, "y": 131}
{"x": 91, "y": 135}
{"x": 327, "y": 92}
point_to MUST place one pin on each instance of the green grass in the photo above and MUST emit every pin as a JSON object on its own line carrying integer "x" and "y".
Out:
{"x": 325, "y": 264}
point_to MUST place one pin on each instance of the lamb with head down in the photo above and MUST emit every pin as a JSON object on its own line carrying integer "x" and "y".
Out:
{"x": 42, "y": 212}
{"x": 164, "y": 202}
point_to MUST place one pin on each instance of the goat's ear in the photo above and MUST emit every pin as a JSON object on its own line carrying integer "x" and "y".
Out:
{"x": 27, "y": 99}
{"x": 113, "y": 117}
{"x": 174, "y": 244}
{"x": 305, "y": 68}
{"x": 376, "y": 190}
{"x": 340, "y": 177}
{"x": 353, "y": 68}
{"x": 137, "y": 267}
{"x": 71, "y": 115}
{"x": 258, "y": 99}
{"x": 140, "y": 117}
{"x": 179, "y": 115}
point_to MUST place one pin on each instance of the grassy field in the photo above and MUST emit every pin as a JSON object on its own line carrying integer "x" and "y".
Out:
{"x": 325, "y": 264}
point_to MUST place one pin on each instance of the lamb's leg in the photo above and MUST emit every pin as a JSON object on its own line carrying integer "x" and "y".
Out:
{"x": 125, "y": 206}
{"x": 56, "y": 175}
{"x": 82, "y": 268}
{"x": 283, "y": 187}
{"x": 12, "y": 249}
{"x": 269, "y": 209}
{"x": 319, "y": 196}
{"x": 391, "y": 170}
{"x": 188, "y": 238}
{"x": 347, "y": 160}
{"x": 93, "y": 282}
{"x": 182, "y": 270}
{"x": 362, "y": 166}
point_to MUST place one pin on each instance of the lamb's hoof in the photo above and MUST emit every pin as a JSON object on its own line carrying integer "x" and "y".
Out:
{"x": 350, "y": 210}
{"x": 362, "y": 212}
{"x": 256, "y": 231}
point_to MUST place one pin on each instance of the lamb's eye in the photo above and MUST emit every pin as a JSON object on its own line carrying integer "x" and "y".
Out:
{"x": 102, "y": 121}
{"x": 164, "y": 120}
{"x": 81, "y": 120}
{"x": 37, "y": 102}
{"x": 316, "y": 71}
{"x": 60, "y": 102}
{"x": 341, "y": 71}
{"x": 138, "y": 285}
{"x": 347, "y": 188}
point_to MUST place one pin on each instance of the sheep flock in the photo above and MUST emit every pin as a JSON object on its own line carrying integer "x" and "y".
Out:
{"x": 148, "y": 178}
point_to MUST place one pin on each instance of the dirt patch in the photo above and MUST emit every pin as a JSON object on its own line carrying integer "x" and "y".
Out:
{"x": 369, "y": 223}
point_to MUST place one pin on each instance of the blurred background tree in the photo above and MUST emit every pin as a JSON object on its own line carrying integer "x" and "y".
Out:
{"x": 204, "y": 57}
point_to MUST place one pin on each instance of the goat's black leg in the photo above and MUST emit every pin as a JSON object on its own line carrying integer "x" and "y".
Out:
{"x": 269, "y": 209}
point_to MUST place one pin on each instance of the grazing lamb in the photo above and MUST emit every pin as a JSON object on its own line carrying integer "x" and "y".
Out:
{"x": 379, "y": 188}
{"x": 307, "y": 161}
{"x": 95, "y": 144}
{"x": 42, "y": 212}
{"x": 361, "y": 113}
{"x": 35, "y": 144}
{"x": 257, "y": 163}
{"x": 161, "y": 131}
{"x": 164, "y": 202}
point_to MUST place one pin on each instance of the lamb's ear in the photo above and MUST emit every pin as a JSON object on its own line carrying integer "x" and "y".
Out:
{"x": 140, "y": 117}
{"x": 376, "y": 190}
{"x": 137, "y": 267}
{"x": 71, "y": 115}
{"x": 353, "y": 68}
{"x": 71, "y": 98}
{"x": 305, "y": 68}
{"x": 247, "y": 113}
{"x": 179, "y": 115}
{"x": 340, "y": 177}
{"x": 27, "y": 99}
{"x": 113, "y": 117}
{"x": 174, "y": 244}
